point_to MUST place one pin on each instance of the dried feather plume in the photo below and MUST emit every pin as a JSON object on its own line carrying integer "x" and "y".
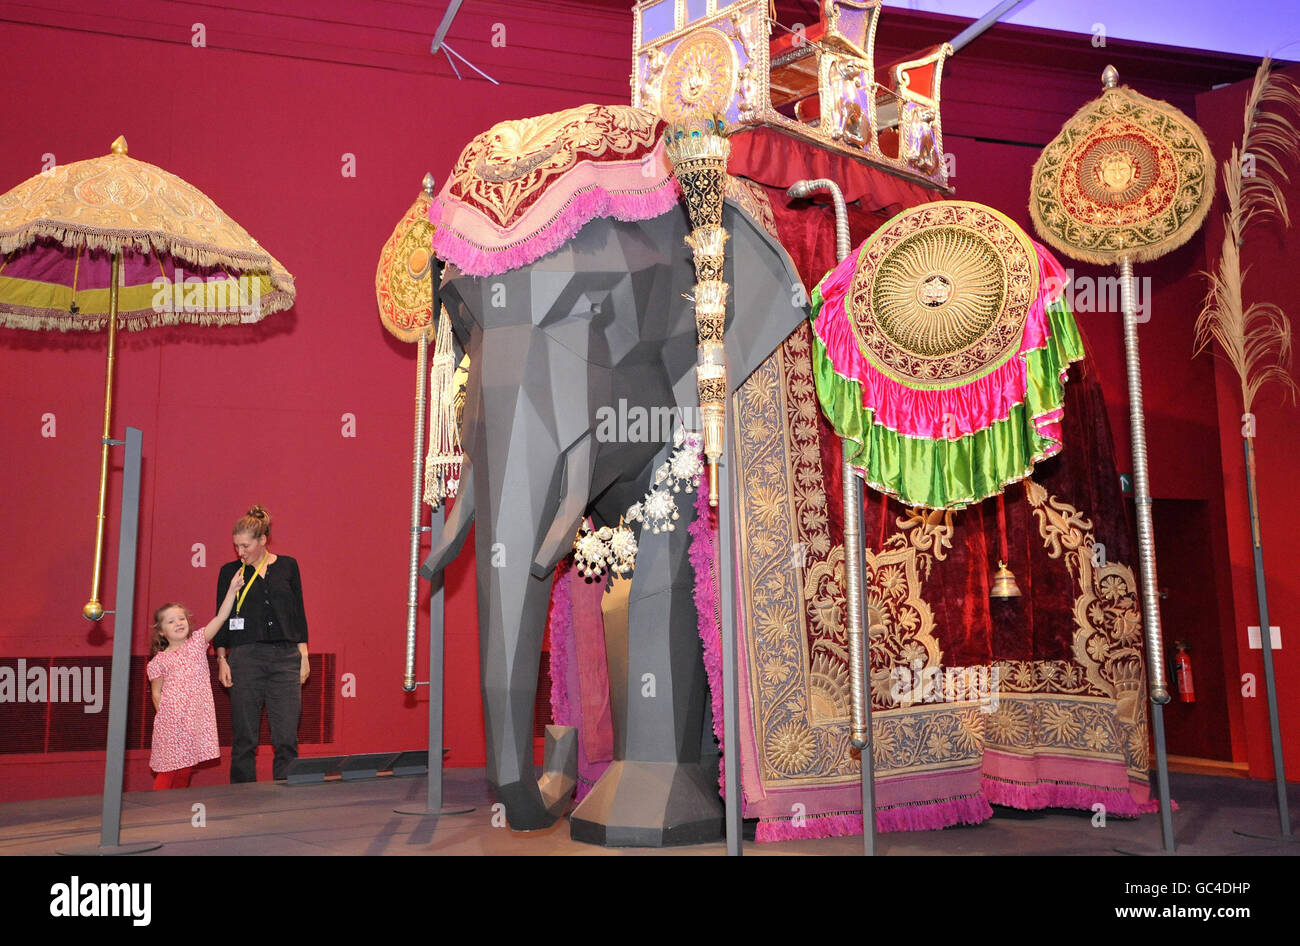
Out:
{"x": 1255, "y": 338}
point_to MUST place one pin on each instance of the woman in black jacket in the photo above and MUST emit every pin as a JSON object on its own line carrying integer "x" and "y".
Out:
{"x": 262, "y": 650}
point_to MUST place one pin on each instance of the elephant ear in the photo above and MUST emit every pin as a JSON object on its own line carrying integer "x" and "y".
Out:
{"x": 767, "y": 300}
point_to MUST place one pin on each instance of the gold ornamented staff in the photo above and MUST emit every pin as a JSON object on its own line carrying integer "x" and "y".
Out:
{"x": 1096, "y": 196}
{"x": 94, "y": 609}
{"x": 406, "y": 290}
{"x": 419, "y": 264}
{"x": 698, "y": 149}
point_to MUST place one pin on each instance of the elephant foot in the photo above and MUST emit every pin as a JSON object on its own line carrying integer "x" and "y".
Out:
{"x": 651, "y": 804}
{"x": 532, "y": 806}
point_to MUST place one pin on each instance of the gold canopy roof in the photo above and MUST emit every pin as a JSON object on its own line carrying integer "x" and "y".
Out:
{"x": 117, "y": 203}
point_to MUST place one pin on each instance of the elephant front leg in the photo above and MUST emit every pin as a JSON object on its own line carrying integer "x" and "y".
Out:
{"x": 514, "y": 591}
{"x": 512, "y": 621}
{"x": 662, "y": 788}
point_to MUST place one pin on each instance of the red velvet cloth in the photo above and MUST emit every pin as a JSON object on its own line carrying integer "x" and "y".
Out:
{"x": 807, "y": 231}
{"x": 1039, "y": 625}
{"x": 777, "y": 160}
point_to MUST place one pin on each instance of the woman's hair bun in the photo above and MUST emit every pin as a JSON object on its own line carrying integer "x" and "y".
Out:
{"x": 256, "y": 522}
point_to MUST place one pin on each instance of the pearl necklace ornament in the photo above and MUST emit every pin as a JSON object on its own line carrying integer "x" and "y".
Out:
{"x": 595, "y": 550}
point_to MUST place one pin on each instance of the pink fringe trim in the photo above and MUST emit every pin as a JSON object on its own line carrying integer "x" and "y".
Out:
{"x": 703, "y": 533}
{"x": 1119, "y": 802}
{"x": 917, "y": 413}
{"x": 923, "y": 816}
{"x": 466, "y": 238}
{"x": 560, "y": 621}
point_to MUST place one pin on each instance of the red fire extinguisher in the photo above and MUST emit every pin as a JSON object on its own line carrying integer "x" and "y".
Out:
{"x": 1183, "y": 669}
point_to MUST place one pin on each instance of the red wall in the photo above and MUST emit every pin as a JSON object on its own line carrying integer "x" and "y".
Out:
{"x": 260, "y": 120}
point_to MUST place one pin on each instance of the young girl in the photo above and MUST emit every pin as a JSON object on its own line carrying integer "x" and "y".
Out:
{"x": 185, "y": 729}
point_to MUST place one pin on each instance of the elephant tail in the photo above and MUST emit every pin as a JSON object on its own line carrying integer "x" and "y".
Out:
{"x": 447, "y": 545}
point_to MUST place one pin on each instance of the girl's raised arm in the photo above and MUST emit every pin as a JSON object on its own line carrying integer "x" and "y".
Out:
{"x": 227, "y": 603}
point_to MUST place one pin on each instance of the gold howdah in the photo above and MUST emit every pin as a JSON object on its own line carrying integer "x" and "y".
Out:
{"x": 818, "y": 82}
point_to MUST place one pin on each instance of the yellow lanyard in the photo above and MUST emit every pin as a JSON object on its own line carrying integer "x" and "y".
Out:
{"x": 239, "y": 603}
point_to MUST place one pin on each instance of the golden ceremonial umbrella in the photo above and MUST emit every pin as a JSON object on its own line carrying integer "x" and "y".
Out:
{"x": 118, "y": 242}
{"x": 1126, "y": 180}
{"x": 405, "y": 290}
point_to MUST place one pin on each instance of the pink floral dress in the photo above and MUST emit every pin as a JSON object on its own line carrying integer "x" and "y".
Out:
{"x": 185, "y": 729}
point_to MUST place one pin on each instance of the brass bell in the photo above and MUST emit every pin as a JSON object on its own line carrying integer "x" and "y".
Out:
{"x": 1004, "y": 583}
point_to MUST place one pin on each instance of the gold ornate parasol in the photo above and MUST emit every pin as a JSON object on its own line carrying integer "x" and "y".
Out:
{"x": 156, "y": 223}
{"x": 1128, "y": 179}
{"x": 1127, "y": 176}
{"x": 402, "y": 287}
{"x": 118, "y": 242}
{"x": 406, "y": 292}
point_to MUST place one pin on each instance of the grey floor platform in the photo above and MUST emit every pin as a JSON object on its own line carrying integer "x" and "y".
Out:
{"x": 357, "y": 818}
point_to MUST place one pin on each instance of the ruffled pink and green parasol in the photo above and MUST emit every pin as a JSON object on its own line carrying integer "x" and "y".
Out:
{"x": 941, "y": 349}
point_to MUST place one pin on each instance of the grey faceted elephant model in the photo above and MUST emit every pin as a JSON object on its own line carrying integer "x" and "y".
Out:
{"x": 600, "y": 322}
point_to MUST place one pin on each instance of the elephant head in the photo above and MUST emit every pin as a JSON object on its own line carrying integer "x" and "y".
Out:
{"x": 597, "y": 325}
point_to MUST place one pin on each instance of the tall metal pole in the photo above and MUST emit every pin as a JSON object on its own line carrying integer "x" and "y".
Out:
{"x": 437, "y": 617}
{"x": 973, "y": 31}
{"x": 730, "y": 667}
{"x": 1146, "y": 545}
{"x": 123, "y": 615}
{"x": 854, "y": 564}
{"x": 436, "y": 627}
{"x": 1266, "y": 640}
{"x": 120, "y": 675}
{"x": 438, "y": 37}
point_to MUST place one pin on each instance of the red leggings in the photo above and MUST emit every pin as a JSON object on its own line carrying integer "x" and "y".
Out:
{"x": 180, "y": 778}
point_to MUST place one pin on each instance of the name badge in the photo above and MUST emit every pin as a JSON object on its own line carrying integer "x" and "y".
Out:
{"x": 236, "y": 624}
